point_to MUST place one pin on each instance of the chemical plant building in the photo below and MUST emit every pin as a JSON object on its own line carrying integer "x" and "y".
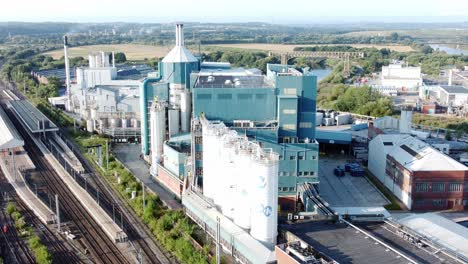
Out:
{"x": 229, "y": 141}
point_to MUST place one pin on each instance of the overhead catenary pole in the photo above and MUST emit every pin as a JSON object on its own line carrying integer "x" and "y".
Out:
{"x": 57, "y": 213}
{"x": 218, "y": 246}
{"x": 143, "y": 190}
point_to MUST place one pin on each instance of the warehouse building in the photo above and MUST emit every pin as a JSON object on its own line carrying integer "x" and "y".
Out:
{"x": 420, "y": 176}
{"x": 276, "y": 109}
{"x": 453, "y": 95}
{"x": 401, "y": 77}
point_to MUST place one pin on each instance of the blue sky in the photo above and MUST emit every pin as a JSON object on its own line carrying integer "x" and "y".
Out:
{"x": 303, "y": 11}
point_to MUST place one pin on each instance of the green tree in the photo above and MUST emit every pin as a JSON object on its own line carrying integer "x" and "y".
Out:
{"x": 120, "y": 57}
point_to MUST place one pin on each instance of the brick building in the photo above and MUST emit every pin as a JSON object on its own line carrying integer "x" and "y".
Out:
{"x": 420, "y": 176}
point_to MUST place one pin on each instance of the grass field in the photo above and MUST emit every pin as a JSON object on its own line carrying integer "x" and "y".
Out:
{"x": 290, "y": 48}
{"x": 132, "y": 51}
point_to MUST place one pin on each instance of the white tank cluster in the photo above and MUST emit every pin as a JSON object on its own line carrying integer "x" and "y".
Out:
{"x": 242, "y": 179}
{"x": 158, "y": 133}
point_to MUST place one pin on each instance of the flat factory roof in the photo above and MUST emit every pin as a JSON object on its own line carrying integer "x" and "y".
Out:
{"x": 233, "y": 81}
{"x": 32, "y": 117}
{"x": 439, "y": 229}
{"x": 454, "y": 89}
{"x": 10, "y": 138}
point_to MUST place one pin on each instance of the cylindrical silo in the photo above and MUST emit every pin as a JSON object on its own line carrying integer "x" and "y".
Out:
{"x": 157, "y": 132}
{"x": 114, "y": 123}
{"x": 125, "y": 122}
{"x": 89, "y": 125}
{"x": 227, "y": 183}
{"x": 174, "y": 121}
{"x": 264, "y": 196}
{"x": 185, "y": 111}
{"x": 244, "y": 176}
{"x": 208, "y": 158}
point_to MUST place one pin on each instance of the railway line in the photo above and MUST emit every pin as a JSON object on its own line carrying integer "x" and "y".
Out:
{"x": 106, "y": 197}
{"x": 101, "y": 247}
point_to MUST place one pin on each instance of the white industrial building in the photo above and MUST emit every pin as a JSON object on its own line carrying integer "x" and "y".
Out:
{"x": 401, "y": 77}
{"x": 453, "y": 95}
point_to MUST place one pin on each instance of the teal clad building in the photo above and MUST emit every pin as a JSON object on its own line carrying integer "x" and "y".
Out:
{"x": 276, "y": 109}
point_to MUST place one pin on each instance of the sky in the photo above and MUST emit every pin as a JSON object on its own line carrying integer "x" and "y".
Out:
{"x": 295, "y": 11}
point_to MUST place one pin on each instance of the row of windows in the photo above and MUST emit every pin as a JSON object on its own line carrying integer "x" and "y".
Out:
{"x": 439, "y": 202}
{"x": 229, "y": 96}
{"x": 440, "y": 187}
{"x": 299, "y": 173}
{"x": 299, "y": 157}
{"x": 286, "y": 189}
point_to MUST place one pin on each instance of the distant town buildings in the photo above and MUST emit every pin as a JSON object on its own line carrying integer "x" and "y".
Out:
{"x": 401, "y": 77}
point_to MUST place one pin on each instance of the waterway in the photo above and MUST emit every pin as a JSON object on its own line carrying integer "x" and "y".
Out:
{"x": 449, "y": 50}
{"x": 321, "y": 73}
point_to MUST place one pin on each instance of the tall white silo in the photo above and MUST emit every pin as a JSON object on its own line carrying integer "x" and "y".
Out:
{"x": 158, "y": 133}
{"x": 217, "y": 164}
{"x": 228, "y": 176}
{"x": 185, "y": 110}
{"x": 243, "y": 163}
{"x": 210, "y": 153}
{"x": 174, "y": 121}
{"x": 264, "y": 197}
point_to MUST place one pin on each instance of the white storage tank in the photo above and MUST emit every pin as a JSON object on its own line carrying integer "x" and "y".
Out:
{"x": 318, "y": 118}
{"x": 174, "y": 121}
{"x": 185, "y": 110}
{"x": 102, "y": 123}
{"x": 125, "y": 122}
{"x": 264, "y": 197}
{"x": 329, "y": 121}
{"x": 135, "y": 123}
{"x": 244, "y": 172}
{"x": 228, "y": 173}
{"x": 343, "y": 119}
{"x": 209, "y": 158}
{"x": 89, "y": 125}
{"x": 158, "y": 133}
{"x": 114, "y": 123}
{"x": 93, "y": 113}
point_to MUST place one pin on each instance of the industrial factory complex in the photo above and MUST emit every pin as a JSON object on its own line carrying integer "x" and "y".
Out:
{"x": 239, "y": 149}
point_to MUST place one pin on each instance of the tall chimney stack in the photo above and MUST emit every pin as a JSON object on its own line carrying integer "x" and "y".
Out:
{"x": 69, "y": 105}
{"x": 450, "y": 77}
{"x": 113, "y": 59}
{"x": 179, "y": 34}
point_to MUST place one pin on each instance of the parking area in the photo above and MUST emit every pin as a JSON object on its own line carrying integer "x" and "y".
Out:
{"x": 346, "y": 191}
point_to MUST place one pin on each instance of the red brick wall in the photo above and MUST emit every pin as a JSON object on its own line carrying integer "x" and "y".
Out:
{"x": 169, "y": 181}
{"x": 283, "y": 257}
{"x": 287, "y": 203}
{"x": 454, "y": 200}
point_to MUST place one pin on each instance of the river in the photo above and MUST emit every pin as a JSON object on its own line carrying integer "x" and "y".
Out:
{"x": 321, "y": 73}
{"x": 449, "y": 50}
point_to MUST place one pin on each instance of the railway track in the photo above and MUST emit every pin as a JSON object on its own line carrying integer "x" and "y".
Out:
{"x": 102, "y": 248}
{"x": 106, "y": 197}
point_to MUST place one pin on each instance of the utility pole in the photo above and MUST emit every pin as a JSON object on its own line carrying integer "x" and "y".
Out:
{"x": 143, "y": 190}
{"x": 218, "y": 247}
{"x": 57, "y": 213}
{"x": 107, "y": 155}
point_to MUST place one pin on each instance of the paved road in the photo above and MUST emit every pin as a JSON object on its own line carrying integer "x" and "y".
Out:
{"x": 129, "y": 155}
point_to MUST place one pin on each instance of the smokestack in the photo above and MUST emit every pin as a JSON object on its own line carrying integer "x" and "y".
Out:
{"x": 113, "y": 59}
{"x": 67, "y": 73}
{"x": 179, "y": 34}
{"x": 450, "y": 77}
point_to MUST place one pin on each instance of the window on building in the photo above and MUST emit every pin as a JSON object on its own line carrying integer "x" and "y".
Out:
{"x": 455, "y": 187}
{"x": 289, "y": 111}
{"x": 289, "y": 126}
{"x": 199, "y": 171}
{"x": 305, "y": 125}
{"x": 285, "y": 189}
{"x": 198, "y": 140}
{"x": 300, "y": 157}
{"x": 292, "y": 189}
{"x": 198, "y": 155}
{"x": 224, "y": 96}
{"x": 466, "y": 187}
{"x": 312, "y": 173}
{"x": 279, "y": 189}
{"x": 438, "y": 187}
{"x": 306, "y": 173}
{"x": 438, "y": 202}
{"x": 465, "y": 202}
{"x": 280, "y": 157}
{"x": 422, "y": 187}
{"x": 314, "y": 157}
{"x": 281, "y": 173}
{"x": 420, "y": 203}
{"x": 292, "y": 157}
{"x": 299, "y": 173}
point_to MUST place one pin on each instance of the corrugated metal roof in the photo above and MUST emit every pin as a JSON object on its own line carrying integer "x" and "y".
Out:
{"x": 32, "y": 117}
{"x": 9, "y": 138}
{"x": 439, "y": 229}
{"x": 416, "y": 155}
{"x": 333, "y": 137}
